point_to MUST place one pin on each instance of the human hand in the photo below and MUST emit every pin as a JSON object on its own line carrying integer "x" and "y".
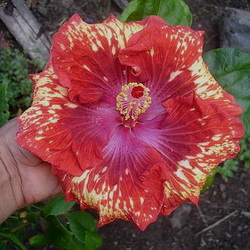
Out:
{"x": 24, "y": 178}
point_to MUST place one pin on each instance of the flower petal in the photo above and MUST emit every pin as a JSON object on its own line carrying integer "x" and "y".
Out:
{"x": 169, "y": 60}
{"x": 124, "y": 186}
{"x": 131, "y": 170}
{"x": 161, "y": 54}
{"x": 207, "y": 88}
{"x": 61, "y": 132}
{"x": 193, "y": 139}
{"x": 85, "y": 57}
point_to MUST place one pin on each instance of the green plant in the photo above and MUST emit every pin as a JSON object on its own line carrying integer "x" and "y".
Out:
{"x": 57, "y": 224}
{"x": 174, "y": 12}
{"x": 4, "y": 107}
{"x": 231, "y": 68}
{"x": 229, "y": 168}
{"x": 14, "y": 75}
{"x": 244, "y": 155}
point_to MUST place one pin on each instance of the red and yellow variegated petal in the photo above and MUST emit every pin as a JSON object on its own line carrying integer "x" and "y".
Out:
{"x": 160, "y": 56}
{"x": 208, "y": 89}
{"x": 201, "y": 136}
{"x": 126, "y": 185}
{"x": 169, "y": 60}
{"x": 85, "y": 59}
{"x": 62, "y": 132}
{"x": 194, "y": 137}
{"x": 180, "y": 188}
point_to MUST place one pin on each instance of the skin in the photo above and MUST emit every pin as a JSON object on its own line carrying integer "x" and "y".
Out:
{"x": 24, "y": 178}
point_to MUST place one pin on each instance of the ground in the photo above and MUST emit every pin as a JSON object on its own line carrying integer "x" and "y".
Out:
{"x": 222, "y": 219}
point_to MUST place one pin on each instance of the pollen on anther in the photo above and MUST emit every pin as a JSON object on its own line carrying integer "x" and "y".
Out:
{"x": 133, "y": 100}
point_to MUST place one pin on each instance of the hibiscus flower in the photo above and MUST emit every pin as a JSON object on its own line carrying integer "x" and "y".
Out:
{"x": 129, "y": 117}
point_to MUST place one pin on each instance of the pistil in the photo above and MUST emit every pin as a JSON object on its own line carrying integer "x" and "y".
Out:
{"x": 133, "y": 100}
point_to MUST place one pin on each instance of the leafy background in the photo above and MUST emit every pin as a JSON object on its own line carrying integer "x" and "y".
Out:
{"x": 55, "y": 223}
{"x": 60, "y": 224}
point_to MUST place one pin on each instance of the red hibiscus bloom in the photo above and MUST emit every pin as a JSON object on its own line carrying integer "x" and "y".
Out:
{"x": 130, "y": 117}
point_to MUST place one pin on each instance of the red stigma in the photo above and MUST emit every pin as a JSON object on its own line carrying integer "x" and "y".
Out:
{"x": 137, "y": 92}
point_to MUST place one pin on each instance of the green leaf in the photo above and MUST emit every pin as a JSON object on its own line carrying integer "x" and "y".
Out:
{"x": 57, "y": 234}
{"x": 93, "y": 241}
{"x": 209, "y": 180}
{"x": 3, "y": 245}
{"x": 57, "y": 206}
{"x": 80, "y": 222}
{"x": 76, "y": 244}
{"x": 174, "y": 12}
{"x": 4, "y": 107}
{"x": 14, "y": 239}
{"x": 244, "y": 155}
{"x": 14, "y": 72}
{"x": 38, "y": 240}
{"x": 228, "y": 168}
{"x": 231, "y": 68}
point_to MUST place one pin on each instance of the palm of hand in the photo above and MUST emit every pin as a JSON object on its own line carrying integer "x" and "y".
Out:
{"x": 28, "y": 172}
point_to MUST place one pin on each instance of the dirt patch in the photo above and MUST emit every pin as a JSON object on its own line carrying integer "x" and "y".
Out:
{"x": 224, "y": 208}
{"x": 208, "y": 16}
{"x": 52, "y": 14}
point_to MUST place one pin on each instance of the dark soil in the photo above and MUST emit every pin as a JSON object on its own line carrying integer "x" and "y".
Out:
{"x": 224, "y": 208}
{"x": 208, "y": 16}
{"x": 222, "y": 220}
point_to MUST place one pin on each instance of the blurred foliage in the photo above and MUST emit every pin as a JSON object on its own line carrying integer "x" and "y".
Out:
{"x": 209, "y": 180}
{"x": 231, "y": 166}
{"x": 55, "y": 223}
{"x": 231, "y": 68}
{"x": 4, "y": 107}
{"x": 244, "y": 155}
{"x": 228, "y": 168}
{"x": 174, "y": 12}
{"x": 14, "y": 75}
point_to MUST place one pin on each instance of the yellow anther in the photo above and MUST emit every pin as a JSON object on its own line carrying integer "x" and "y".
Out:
{"x": 133, "y": 100}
